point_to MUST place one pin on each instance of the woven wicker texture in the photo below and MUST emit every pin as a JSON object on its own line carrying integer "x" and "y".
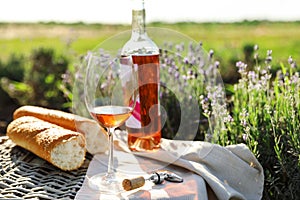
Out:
{"x": 25, "y": 176}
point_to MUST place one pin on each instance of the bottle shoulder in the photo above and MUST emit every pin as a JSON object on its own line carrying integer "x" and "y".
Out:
{"x": 141, "y": 45}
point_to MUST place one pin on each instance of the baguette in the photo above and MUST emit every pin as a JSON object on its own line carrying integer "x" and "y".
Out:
{"x": 63, "y": 148}
{"x": 95, "y": 135}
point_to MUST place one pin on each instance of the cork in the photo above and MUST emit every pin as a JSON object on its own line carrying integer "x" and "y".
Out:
{"x": 131, "y": 184}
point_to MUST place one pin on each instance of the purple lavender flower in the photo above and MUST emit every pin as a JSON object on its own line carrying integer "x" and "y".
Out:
{"x": 185, "y": 60}
{"x": 268, "y": 59}
{"x": 245, "y": 137}
{"x": 241, "y": 67}
{"x": 177, "y": 75}
{"x": 211, "y": 54}
{"x": 217, "y": 64}
{"x": 292, "y": 62}
{"x": 170, "y": 70}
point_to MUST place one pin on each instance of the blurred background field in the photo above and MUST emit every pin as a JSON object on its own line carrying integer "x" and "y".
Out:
{"x": 227, "y": 39}
{"x": 230, "y": 41}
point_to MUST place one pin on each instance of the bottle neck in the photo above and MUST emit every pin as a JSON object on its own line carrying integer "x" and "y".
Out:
{"x": 138, "y": 22}
{"x": 138, "y": 18}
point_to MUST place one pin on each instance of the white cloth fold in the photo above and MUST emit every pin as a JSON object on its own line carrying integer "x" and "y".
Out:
{"x": 232, "y": 172}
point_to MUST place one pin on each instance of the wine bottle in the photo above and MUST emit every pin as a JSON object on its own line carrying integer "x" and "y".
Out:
{"x": 144, "y": 126}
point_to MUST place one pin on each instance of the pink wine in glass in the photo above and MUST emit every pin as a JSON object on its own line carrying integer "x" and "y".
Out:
{"x": 111, "y": 116}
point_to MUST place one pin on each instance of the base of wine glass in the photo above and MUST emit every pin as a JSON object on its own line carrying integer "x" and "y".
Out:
{"x": 106, "y": 183}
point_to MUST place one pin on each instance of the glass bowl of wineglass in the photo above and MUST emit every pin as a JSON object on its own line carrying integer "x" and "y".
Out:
{"x": 110, "y": 97}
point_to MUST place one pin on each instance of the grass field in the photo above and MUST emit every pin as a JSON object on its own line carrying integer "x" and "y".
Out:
{"x": 226, "y": 39}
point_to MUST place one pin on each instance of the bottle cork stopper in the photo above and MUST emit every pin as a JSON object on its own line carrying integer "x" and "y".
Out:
{"x": 131, "y": 184}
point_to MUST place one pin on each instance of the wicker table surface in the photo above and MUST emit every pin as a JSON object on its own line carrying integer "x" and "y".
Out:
{"x": 23, "y": 175}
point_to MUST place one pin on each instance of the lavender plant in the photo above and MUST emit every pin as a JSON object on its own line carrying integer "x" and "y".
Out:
{"x": 266, "y": 116}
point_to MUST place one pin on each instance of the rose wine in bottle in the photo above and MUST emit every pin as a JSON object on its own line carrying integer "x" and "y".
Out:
{"x": 144, "y": 126}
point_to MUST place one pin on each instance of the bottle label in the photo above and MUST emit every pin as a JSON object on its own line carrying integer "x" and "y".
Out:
{"x": 134, "y": 120}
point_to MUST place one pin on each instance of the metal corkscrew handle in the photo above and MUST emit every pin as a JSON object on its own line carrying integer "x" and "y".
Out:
{"x": 157, "y": 177}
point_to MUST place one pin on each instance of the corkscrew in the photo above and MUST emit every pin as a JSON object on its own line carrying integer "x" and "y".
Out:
{"x": 157, "y": 177}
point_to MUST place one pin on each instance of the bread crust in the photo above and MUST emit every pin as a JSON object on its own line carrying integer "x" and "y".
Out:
{"x": 60, "y": 118}
{"x": 41, "y": 138}
{"x": 96, "y": 137}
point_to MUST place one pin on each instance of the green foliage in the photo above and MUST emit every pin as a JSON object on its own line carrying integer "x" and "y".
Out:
{"x": 45, "y": 77}
{"x": 13, "y": 68}
{"x": 41, "y": 82}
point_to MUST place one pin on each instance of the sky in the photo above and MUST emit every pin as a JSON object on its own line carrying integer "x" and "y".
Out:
{"x": 119, "y": 11}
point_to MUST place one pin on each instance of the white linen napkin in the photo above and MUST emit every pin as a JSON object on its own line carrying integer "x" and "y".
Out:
{"x": 232, "y": 172}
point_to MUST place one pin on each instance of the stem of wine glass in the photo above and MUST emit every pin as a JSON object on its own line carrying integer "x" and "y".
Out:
{"x": 110, "y": 169}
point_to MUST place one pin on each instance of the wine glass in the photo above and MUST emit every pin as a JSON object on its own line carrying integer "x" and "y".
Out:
{"x": 110, "y": 98}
